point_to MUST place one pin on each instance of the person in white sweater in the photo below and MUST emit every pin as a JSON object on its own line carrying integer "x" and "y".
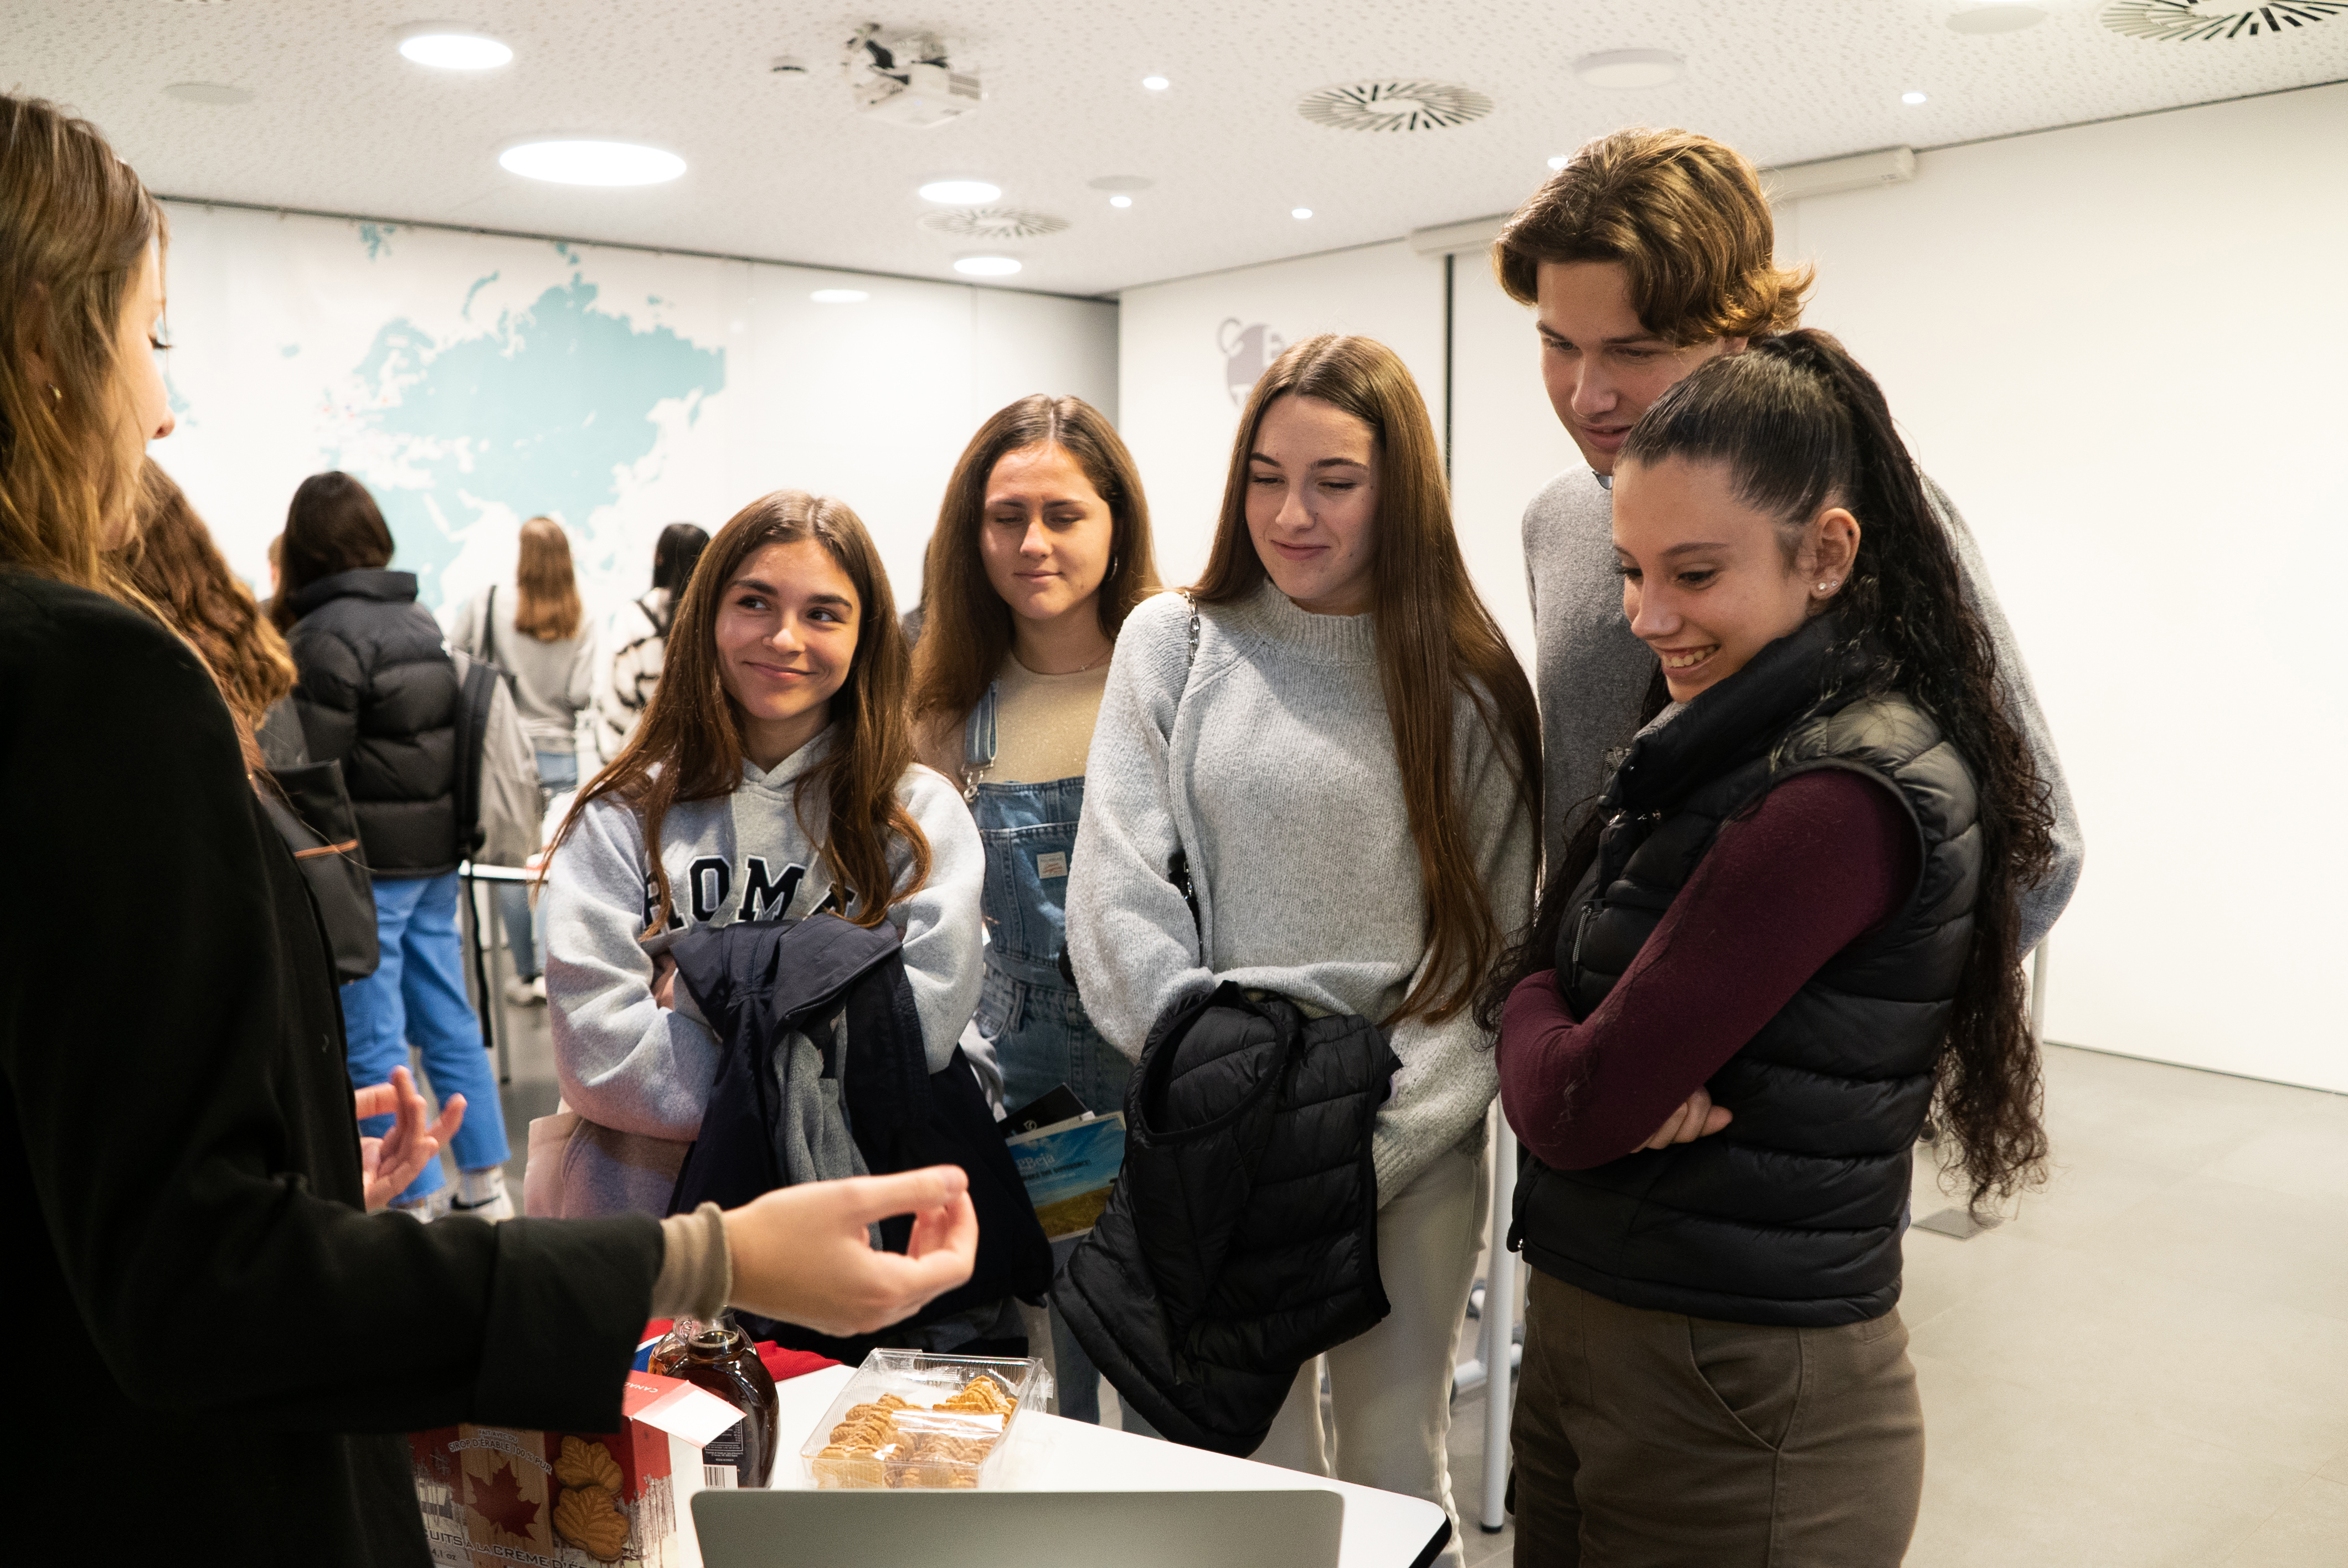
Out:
{"x": 773, "y": 777}
{"x": 536, "y": 631}
{"x": 1343, "y": 750}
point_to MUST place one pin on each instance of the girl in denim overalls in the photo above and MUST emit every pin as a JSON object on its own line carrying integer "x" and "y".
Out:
{"x": 1042, "y": 548}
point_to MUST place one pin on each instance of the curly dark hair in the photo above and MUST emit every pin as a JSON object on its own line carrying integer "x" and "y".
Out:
{"x": 1800, "y": 427}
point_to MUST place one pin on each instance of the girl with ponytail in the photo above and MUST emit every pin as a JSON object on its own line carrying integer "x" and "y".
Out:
{"x": 1787, "y": 933}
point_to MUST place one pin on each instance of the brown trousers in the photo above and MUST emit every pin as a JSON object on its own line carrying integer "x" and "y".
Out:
{"x": 1648, "y": 1440}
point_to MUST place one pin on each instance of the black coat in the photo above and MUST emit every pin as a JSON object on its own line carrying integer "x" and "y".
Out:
{"x": 214, "y": 1348}
{"x": 1242, "y": 1239}
{"x": 378, "y": 692}
{"x": 758, "y": 981}
{"x": 1792, "y": 1214}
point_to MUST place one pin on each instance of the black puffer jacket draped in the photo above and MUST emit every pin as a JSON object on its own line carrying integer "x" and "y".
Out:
{"x": 1241, "y": 1238}
{"x": 377, "y": 694}
{"x": 1791, "y": 1214}
{"x": 842, "y": 986}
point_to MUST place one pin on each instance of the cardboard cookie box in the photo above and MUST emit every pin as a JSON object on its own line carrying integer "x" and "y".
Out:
{"x": 494, "y": 1496}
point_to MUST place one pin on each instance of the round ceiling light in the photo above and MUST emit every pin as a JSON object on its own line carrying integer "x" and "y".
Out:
{"x": 986, "y": 266}
{"x": 1300, "y": 213}
{"x": 451, "y": 50}
{"x": 960, "y": 192}
{"x": 1622, "y": 69}
{"x": 582, "y": 162}
{"x": 1156, "y": 83}
{"x": 216, "y": 95}
{"x": 1560, "y": 160}
{"x": 1912, "y": 99}
{"x": 1121, "y": 199}
{"x": 840, "y": 296}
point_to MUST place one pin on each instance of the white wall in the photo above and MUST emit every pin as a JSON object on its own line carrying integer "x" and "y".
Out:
{"x": 1185, "y": 360}
{"x": 1506, "y": 441}
{"x": 471, "y": 380}
{"x": 2121, "y": 349}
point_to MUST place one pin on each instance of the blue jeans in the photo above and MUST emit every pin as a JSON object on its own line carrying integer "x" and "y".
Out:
{"x": 417, "y": 993}
{"x": 557, "y": 771}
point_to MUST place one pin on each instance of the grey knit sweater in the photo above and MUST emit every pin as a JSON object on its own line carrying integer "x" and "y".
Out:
{"x": 1274, "y": 771}
{"x": 1594, "y": 674}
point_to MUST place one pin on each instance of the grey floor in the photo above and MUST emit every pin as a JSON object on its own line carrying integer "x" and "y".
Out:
{"x": 2147, "y": 1365}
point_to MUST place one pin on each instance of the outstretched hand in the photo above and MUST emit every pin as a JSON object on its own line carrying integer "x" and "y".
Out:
{"x": 803, "y": 1254}
{"x": 1698, "y": 1118}
{"x": 391, "y": 1162}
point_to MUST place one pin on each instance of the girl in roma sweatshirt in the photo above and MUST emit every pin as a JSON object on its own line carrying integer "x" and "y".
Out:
{"x": 773, "y": 776}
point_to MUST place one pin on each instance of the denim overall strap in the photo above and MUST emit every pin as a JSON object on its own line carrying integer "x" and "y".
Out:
{"x": 978, "y": 744}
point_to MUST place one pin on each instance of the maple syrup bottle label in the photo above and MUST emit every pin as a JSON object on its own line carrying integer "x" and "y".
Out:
{"x": 722, "y": 1460}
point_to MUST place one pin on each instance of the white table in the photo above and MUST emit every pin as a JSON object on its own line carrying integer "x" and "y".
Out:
{"x": 1052, "y": 1453}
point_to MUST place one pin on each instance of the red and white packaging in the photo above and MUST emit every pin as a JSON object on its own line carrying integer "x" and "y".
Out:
{"x": 494, "y": 1496}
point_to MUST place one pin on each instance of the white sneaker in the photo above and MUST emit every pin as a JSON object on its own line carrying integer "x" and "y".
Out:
{"x": 427, "y": 1209}
{"x": 482, "y": 1195}
{"x": 522, "y": 993}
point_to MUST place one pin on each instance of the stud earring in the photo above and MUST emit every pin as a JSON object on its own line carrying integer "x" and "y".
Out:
{"x": 1829, "y": 586}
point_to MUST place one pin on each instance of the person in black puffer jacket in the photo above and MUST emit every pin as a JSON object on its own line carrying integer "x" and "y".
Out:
{"x": 378, "y": 692}
{"x": 1788, "y": 931}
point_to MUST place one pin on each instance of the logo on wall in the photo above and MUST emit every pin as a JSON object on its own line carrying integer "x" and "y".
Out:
{"x": 1247, "y": 350}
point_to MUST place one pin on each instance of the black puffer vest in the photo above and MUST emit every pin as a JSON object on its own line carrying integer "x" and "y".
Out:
{"x": 1792, "y": 1214}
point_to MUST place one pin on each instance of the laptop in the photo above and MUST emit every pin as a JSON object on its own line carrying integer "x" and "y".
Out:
{"x": 851, "y": 1529}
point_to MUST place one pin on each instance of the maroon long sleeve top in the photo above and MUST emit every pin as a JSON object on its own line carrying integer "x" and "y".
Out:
{"x": 1826, "y": 858}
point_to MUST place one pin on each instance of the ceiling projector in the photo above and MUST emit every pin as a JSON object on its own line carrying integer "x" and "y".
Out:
{"x": 907, "y": 79}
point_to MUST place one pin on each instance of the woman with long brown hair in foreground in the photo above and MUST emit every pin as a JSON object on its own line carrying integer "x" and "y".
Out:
{"x": 215, "y": 1309}
{"x": 1346, "y": 754}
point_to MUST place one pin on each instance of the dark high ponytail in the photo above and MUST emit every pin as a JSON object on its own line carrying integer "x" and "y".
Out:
{"x": 1800, "y": 425}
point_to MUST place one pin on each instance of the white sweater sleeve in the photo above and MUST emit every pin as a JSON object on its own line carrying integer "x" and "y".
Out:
{"x": 623, "y": 1059}
{"x": 1448, "y": 1074}
{"x": 941, "y": 924}
{"x": 1131, "y": 938}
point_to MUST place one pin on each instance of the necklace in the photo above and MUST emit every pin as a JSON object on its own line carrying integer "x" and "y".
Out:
{"x": 1079, "y": 670}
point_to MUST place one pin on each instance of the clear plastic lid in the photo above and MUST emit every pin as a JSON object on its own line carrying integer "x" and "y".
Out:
{"x": 911, "y": 1418}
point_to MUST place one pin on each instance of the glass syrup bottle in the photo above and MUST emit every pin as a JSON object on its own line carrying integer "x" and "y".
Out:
{"x": 716, "y": 1355}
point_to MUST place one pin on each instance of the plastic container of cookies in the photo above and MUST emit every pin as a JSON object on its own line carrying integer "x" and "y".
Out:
{"x": 913, "y": 1419}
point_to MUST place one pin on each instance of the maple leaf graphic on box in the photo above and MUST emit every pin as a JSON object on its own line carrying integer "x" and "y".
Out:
{"x": 498, "y": 1498}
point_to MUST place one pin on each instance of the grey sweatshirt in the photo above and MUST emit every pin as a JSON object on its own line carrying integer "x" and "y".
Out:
{"x": 1594, "y": 674}
{"x": 1275, "y": 773}
{"x": 553, "y": 682}
{"x": 634, "y": 1068}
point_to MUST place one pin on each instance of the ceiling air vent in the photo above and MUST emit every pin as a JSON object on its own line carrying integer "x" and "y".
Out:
{"x": 1394, "y": 105}
{"x": 2211, "y": 21}
{"x": 994, "y": 223}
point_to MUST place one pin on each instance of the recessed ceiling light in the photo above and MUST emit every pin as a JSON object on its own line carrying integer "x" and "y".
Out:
{"x": 1300, "y": 212}
{"x": 840, "y": 296}
{"x": 447, "y": 49}
{"x": 960, "y": 192}
{"x": 986, "y": 266}
{"x": 1156, "y": 83}
{"x": 1121, "y": 199}
{"x": 1560, "y": 160}
{"x": 579, "y": 161}
{"x": 217, "y": 95}
{"x": 1625, "y": 69}
{"x": 1912, "y": 98}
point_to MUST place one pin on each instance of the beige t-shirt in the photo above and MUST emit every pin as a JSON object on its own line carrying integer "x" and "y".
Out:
{"x": 1043, "y": 723}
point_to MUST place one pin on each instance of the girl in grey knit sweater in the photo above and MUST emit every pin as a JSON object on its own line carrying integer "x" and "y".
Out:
{"x": 1345, "y": 751}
